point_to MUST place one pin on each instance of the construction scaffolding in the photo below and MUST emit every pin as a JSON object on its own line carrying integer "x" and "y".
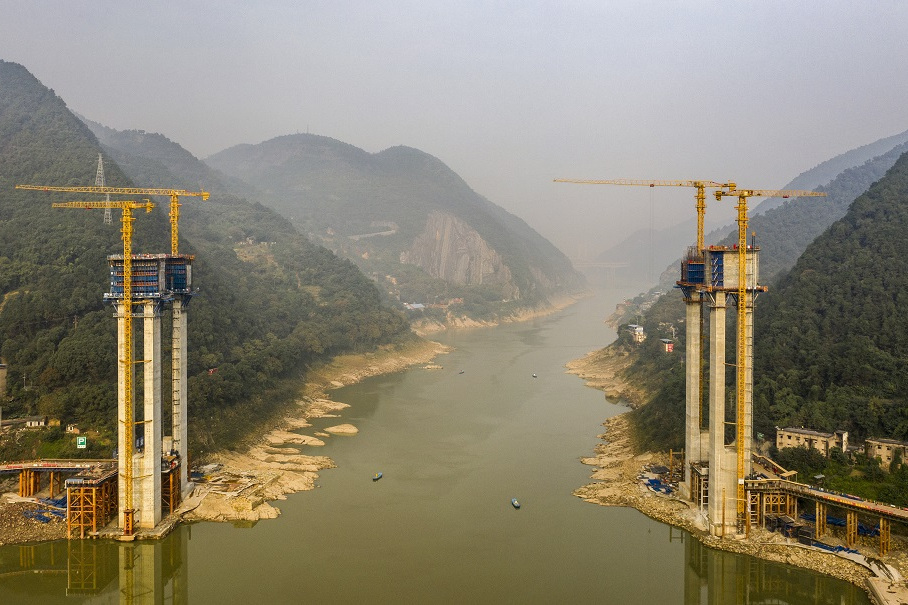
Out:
{"x": 92, "y": 500}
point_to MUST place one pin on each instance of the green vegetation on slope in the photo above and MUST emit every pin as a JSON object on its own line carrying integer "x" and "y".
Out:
{"x": 270, "y": 303}
{"x": 832, "y": 344}
{"x": 813, "y": 387}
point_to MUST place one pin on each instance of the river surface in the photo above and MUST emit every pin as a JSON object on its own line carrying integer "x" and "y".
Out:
{"x": 454, "y": 446}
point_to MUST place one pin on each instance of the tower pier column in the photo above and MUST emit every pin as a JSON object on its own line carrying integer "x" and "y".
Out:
{"x": 722, "y": 463}
{"x": 148, "y": 494}
{"x": 126, "y": 426}
{"x": 692, "y": 438}
{"x": 179, "y": 399}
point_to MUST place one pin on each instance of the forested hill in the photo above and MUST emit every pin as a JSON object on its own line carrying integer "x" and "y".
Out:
{"x": 405, "y": 217}
{"x": 785, "y": 231}
{"x": 783, "y": 234}
{"x": 270, "y": 303}
{"x": 149, "y": 157}
{"x": 832, "y": 341}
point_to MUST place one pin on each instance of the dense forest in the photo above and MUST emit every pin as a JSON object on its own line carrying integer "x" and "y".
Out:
{"x": 832, "y": 346}
{"x": 269, "y": 302}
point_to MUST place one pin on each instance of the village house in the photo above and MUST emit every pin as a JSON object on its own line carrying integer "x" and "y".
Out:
{"x": 801, "y": 437}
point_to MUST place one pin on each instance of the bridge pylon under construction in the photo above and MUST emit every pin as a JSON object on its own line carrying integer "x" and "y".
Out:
{"x": 710, "y": 282}
{"x": 157, "y": 281}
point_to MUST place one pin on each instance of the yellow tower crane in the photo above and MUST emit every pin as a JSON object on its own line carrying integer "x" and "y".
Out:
{"x": 701, "y": 187}
{"x": 174, "y": 195}
{"x": 742, "y": 195}
{"x": 127, "y": 207}
{"x": 700, "y": 205}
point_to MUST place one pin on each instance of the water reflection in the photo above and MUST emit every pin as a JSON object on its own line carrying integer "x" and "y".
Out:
{"x": 97, "y": 571}
{"x": 714, "y": 577}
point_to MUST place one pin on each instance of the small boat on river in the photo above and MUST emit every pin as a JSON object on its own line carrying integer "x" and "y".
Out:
{"x": 515, "y": 503}
{"x": 376, "y": 476}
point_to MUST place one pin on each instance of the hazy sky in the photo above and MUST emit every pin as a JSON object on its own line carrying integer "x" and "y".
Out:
{"x": 508, "y": 94}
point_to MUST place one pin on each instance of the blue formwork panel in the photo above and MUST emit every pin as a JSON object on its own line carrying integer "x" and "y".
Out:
{"x": 717, "y": 268}
{"x": 692, "y": 272}
{"x": 153, "y": 276}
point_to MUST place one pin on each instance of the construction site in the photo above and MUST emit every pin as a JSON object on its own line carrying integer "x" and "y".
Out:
{"x": 718, "y": 472}
{"x": 133, "y": 494}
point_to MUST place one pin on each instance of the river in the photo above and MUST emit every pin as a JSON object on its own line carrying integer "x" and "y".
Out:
{"x": 454, "y": 446}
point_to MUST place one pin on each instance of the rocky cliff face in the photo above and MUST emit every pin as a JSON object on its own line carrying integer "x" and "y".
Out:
{"x": 450, "y": 249}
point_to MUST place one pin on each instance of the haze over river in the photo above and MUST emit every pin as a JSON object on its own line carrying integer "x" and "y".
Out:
{"x": 454, "y": 449}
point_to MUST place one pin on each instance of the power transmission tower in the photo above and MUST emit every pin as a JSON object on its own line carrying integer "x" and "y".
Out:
{"x": 99, "y": 182}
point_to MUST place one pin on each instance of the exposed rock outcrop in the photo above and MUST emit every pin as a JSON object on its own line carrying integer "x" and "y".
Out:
{"x": 450, "y": 249}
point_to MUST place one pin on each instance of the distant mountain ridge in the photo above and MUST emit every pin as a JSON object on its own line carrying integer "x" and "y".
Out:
{"x": 876, "y": 158}
{"x": 444, "y": 240}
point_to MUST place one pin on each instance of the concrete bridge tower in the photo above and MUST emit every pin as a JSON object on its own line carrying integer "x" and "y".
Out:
{"x": 156, "y": 280}
{"x": 712, "y": 280}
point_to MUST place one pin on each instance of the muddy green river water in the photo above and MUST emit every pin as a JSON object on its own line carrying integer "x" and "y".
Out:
{"x": 454, "y": 446}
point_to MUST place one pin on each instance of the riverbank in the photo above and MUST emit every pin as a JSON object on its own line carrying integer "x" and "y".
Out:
{"x": 458, "y": 322}
{"x": 242, "y": 486}
{"x": 617, "y": 466}
{"x": 604, "y": 369}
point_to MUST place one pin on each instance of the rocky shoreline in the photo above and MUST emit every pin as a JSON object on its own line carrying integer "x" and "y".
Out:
{"x": 459, "y": 322}
{"x": 617, "y": 466}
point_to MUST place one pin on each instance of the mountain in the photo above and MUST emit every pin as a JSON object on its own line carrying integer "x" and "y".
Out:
{"x": 832, "y": 343}
{"x": 783, "y": 233}
{"x": 270, "y": 303}
{"x": 830, "y": 169}
{"x": 406, "y": 219}
{"x": 148, "y": 157}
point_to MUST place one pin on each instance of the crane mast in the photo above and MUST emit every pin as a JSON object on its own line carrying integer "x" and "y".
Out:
{"x": 127, "y": 361}
{"x": 741, "y": 361}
